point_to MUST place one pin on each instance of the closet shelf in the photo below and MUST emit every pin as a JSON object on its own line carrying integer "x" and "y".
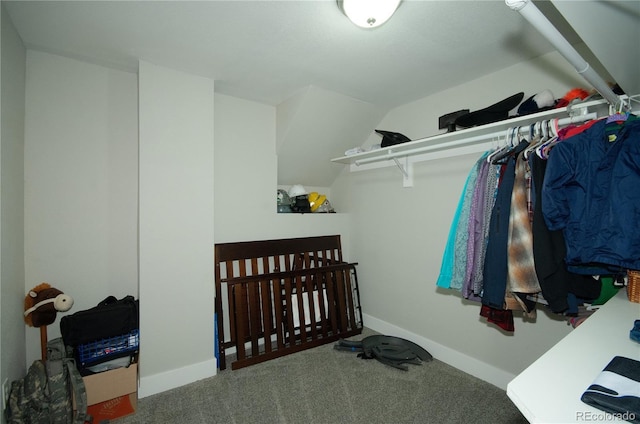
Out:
{"x": 470, "y": 140}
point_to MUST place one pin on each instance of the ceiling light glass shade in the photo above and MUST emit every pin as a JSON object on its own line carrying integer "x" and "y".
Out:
{"x": 368, "y": 13}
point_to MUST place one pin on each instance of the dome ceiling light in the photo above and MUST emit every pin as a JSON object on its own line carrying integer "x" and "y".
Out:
{"x": 368, "y": 13}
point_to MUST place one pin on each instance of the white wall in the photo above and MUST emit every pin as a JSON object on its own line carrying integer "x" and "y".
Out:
{"x": 176, "y": 228}
{"x": 81, "y": 182}
{"x": 399, "y": 234}
{"x": 12, "y": 70}
{"x": 246, "y": 168}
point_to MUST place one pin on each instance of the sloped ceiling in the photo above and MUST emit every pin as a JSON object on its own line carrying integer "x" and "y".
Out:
{"x": 611, "y": 29}
{"x": 330, "y": 80}
{"x": 315, "y": 126}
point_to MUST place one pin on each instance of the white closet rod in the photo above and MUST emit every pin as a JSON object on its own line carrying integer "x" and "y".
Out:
{"x": 536, "y": 18}
{"x": 469, "y": 140}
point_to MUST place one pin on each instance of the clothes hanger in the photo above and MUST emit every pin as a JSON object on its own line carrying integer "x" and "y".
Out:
{"x": 618, "y": 115}
{"x": 546, "y": 149}
{"x": 531, "y": 131}
{"x": 512, "y": 147}
{"x": 554, "y": 127}
{"x": 543, "y": 150}
{"x": 502, "y": 149}
{"x": 535, "y": 141}
{"x": 514, "y": 136}
{"x": 553, "y": 137}
{"x": 543, "y": 139}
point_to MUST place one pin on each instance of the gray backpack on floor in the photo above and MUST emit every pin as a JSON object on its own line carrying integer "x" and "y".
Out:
{"x": 44, "y": 395}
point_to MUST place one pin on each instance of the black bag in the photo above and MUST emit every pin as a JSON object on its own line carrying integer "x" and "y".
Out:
{"x": 111, "y": 318}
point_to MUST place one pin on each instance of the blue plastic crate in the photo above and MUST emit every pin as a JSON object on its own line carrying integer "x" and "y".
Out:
{"x": 107, "y": 349}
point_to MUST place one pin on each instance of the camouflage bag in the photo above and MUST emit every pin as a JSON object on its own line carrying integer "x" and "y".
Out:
{"x": 44, "y": 395}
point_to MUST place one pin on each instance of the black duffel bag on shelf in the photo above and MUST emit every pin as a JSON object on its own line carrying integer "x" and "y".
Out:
{"x": 111, "y": 317}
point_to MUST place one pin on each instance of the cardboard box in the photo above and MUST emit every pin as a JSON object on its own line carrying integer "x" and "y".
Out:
{"x": 113, "y": 408}
{"x": 112, "y": 394}
{"x": 111, "y": 384}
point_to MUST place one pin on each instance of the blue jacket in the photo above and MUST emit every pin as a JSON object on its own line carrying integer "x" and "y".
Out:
{"x": 591, "y": 191}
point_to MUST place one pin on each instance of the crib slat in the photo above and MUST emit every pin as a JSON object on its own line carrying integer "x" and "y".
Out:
{"x": 219, "y": 314}
{"x": 306, "y": 260}
{"x": 255, "y": 313}
{"x": 288, "y": 291}
{"x": 289, "y": 265}
{"x": 301, "y": 316}
{"x": 242, "y": 326}
{"x": 342, "y": 307}
{"x": 323, "y": 276}
{"x": 277, "y": 299}
{"x": 255, "y": 317}
{"x": 338, "y": 255}
{"x": 351, "y": 306}
{"x": 311, "y": 291}
{"x": 331, "y": 299}
{"x": 265, "y": 309}
{"x": 267, "y": 314}
{"x": 279, "y": 304}
{"x": 242, "y": 266}
{"x": 232, "y": 317}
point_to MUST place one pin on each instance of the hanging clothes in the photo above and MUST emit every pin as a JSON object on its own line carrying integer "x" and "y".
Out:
{"x": 462, "y": 234}
{"x": 454, "y": 261}
{"x": 549, "y": 251}
{"x": 495, "y": 265}
{"x": 490, "y": 189}
{"x": 475, "y": 242}
{"x": 522, "y": 217}
{"x": 521, "y": 277}
{"x": 501, "y": 317}
{"x": 591, "y": 191}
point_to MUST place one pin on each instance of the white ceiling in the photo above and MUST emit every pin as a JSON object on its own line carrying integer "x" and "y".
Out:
{"x": 268, "y": 51}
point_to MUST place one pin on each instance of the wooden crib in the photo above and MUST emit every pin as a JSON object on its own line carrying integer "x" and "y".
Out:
{"x": 276, "y": 297}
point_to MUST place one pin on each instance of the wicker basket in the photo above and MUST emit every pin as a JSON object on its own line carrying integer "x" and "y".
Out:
{"x": 633, "y": 285}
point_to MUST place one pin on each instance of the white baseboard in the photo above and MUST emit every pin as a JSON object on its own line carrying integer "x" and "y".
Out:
{"x": 468, "y": 364}
{"x": 168, "y": 380}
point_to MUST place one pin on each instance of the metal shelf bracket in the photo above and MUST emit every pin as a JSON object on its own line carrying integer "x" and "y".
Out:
{"x": 407, "y": 171}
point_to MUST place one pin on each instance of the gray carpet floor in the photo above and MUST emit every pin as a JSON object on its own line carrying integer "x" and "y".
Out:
{"x": 323, "y": 385}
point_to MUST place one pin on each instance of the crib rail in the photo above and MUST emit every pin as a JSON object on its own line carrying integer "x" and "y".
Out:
{"x": 283, "y": 296}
